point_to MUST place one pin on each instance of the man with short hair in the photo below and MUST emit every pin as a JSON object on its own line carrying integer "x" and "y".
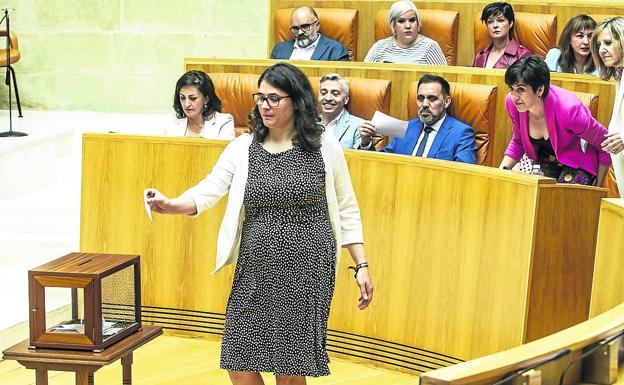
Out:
{"x": 435, "y": 134}
{"x": 333, "y": 98}
{"x": 308, "y": 43}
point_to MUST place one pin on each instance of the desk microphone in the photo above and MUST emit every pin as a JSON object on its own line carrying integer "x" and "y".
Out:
{"x": 600, "y": 344}
{"x": 554, "y": 357}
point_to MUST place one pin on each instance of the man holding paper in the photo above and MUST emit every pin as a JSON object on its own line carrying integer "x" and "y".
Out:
{"x": 435, "y": 134}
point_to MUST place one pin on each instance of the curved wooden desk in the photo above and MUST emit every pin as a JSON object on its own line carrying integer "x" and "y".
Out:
{"x": 402, "y": 76}
{"x": 489, "y": 369}
{"x": 466, "y": 260}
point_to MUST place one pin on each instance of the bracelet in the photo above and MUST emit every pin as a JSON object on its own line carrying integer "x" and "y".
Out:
{"x": 357, "y": 268}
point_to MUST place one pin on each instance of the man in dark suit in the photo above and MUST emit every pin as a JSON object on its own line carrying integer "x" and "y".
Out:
{"x": 308, "y": 43}
{"x": 435, "y": 134}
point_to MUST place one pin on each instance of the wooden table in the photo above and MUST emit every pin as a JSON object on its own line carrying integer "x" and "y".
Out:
{"x": 83, "y": 363}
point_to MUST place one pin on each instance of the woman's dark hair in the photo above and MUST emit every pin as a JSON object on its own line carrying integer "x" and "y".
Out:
{"x": 500, "y": 8}
{"x": 295, "y": 83}
{"x": 567, "y": 59}
{"x": 204, "y": 84}
{"x": 532, "y": 71}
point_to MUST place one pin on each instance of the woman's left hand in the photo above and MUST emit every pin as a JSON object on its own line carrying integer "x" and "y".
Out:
{"x": 366, "y": 288}
{"x": 613, "y": 144}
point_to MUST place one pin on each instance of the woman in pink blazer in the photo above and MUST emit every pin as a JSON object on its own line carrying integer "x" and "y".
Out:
{"x": 548, "y": 125}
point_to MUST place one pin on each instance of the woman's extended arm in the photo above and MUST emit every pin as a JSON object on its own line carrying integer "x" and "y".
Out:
{"x": 159, "y": 203}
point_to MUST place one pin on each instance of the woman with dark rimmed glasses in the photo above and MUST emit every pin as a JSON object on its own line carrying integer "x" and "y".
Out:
{"x": 291, "y": 208}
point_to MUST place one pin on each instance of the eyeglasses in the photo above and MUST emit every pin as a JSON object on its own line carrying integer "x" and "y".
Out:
{"x": 304, "y": 27}
{"x": 272, "y": 100}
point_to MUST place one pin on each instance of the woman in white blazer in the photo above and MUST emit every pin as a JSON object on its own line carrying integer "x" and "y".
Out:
{"x": 291, "y": 208}
{"x": 198, "y": 110}
{"x": 607, "y": 47}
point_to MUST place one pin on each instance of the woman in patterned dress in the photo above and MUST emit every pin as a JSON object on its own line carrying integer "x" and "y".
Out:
{"x": 291, "y": 207}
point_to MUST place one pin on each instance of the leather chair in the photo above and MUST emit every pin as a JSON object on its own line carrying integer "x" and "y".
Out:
{"x": 14, "y": 56}
{"x": 235, "y": 90}
{"x": 366, "y": 97}
{"x": 537, "y": 32}
{"x": 336, "y": 23}
{"x": 439, "y": 25}
{"x": 591, "y": 101}
{"x": 473, "y": 104}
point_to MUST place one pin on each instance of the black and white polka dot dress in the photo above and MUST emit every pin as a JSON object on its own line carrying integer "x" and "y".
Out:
{"x": 276, "y": 318}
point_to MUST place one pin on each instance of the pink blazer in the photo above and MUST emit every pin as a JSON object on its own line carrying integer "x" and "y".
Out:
{"x": 568, "y": 120}
{"x": 513, "y": 52}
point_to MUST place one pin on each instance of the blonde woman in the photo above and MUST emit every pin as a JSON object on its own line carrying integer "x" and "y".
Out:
{"x": 407, "y": 45}
{"x": 607, "y": 51}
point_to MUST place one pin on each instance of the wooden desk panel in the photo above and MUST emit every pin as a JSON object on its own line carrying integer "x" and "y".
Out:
{"x": 402, "y": 76}
{"x": 468, "y": 12}
{"x": 608, "y": 285}
{"x": 451, "y": 246}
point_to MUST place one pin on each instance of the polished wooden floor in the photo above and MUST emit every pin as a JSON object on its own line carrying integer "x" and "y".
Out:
{"x": 190, "y": 361}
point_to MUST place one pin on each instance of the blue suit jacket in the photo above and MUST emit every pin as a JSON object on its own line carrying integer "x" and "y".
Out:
{"x": 326, "y": 49}
{"x": 454, "y": 141}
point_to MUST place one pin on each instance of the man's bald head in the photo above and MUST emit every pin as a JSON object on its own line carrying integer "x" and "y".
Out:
{"x": 304, "y": 25}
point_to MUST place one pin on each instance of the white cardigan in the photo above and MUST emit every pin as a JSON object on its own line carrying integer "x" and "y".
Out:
{"x": 219, "y": 126}
{"x": 617, "y": 124}
{"x": 230, "y": 173}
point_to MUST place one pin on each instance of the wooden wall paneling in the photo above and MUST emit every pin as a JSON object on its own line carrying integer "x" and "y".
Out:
{"x": 608, "y": 286}
{"x": 402, "y": 76}
{"x": 468, "y": 11}
{"x": 168, "y": 246}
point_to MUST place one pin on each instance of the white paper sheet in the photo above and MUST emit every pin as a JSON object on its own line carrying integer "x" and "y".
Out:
{"x": 389, "y": 126}
{"x": 148, "y": 209}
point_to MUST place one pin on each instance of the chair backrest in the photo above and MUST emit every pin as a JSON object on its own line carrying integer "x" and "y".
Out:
{"x": 365, "y": 95}
{"x": 235, "y": 90}
{"x": 439, "y": 25}
{"x": 537, "y": 32}
{"x": 473, "y": 104}
{"x": 591, "y": 101}
{"x": 336, "y": 23}
{"x": 14, "y": 53}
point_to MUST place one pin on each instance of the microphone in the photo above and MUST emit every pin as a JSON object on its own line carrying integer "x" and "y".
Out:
{"x": 554, "y": 357}
{"x": 600, "y": 344}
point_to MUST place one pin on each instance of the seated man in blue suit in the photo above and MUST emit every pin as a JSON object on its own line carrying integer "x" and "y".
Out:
{"x": 308, "y": 43}
{"x": 443, "y": 136}
{"x": 332, "y": 100}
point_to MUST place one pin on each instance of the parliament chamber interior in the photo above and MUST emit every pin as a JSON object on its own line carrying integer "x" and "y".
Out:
{"x": 482, "y": 275}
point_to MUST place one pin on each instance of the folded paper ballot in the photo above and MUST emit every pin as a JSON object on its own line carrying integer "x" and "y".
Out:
{"x": 389, "y": 126}
{"x": 108, "y": 328}
{"x": 148, "y": 209}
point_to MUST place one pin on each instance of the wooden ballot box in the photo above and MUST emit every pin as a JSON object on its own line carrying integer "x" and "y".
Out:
{"x": 97, "y": 298}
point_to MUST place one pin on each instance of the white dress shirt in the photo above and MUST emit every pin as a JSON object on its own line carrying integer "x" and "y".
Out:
{"x": 331, "y": 125}
{"x": 436, "y": 127}
{"x": 300, "y": 53}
